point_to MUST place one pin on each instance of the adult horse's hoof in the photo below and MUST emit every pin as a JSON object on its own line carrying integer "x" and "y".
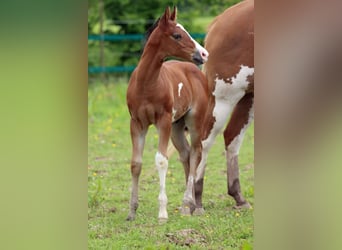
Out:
{"x": 245, "y": 205}
{"x": 185, "y": 211}
{"x": 188, "y": 206}
{"x": 199, "y": 211}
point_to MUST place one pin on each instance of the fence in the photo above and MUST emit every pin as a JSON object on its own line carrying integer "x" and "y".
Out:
{"x": 119, "y": 38}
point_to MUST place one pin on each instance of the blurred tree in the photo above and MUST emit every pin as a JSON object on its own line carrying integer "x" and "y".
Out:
{"x": 136, "y": 16}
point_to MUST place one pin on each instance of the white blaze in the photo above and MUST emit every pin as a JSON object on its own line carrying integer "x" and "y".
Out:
{"x": 203, "y": 52}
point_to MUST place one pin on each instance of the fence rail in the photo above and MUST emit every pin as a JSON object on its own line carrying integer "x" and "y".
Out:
{"x": 118, "y": 38}
{"x": 130, "y": 37}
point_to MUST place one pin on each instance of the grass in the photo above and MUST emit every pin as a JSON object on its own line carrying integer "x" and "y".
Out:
{"x": 109, "y": 181}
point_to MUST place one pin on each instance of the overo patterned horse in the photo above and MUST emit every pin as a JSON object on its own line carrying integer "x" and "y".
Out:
{"x": 171, "y": 95}
{"x": 230, "y": 74}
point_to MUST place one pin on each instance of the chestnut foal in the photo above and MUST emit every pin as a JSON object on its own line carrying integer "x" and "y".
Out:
{"x": 230, "y": 74}
{"x": 171, "y": 95}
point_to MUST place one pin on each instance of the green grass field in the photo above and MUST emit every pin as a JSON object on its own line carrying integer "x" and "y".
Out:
{"x": 109, "y": 181}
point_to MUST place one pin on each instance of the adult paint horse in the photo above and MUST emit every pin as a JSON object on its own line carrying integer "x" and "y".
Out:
{"x": 230, "y": 74}
{"x": 171, "y": 95}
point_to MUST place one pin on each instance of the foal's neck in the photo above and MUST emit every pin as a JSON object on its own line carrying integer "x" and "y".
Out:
{"x": 150, "y": 64}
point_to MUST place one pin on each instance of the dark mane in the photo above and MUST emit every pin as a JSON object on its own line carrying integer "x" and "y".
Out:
{"x": 150, "y": 30}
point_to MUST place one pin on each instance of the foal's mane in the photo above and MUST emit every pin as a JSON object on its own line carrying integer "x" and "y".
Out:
{"x": 150, "y": 30}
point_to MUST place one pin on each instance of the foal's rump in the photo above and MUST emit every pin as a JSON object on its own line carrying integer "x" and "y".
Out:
{"x": 189, "y": 87}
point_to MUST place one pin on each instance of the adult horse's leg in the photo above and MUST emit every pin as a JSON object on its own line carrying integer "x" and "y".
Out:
{"x": 161, "y": 161}
{"x": 233, "y": 136}
{"x": 217, "y": 126}
{"x": 138, "y": 140}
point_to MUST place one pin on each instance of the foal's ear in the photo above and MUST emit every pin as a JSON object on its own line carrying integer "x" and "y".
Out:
{"x": 174, "y": 14}
{"x": 165, "y": 18}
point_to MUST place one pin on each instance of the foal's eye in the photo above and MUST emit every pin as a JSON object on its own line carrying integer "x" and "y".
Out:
{"x": 177, "y": 36}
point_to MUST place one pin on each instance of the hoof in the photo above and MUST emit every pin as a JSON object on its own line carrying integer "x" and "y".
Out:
{"x": 245, "y": 205}
{"x": 130, "y": 217}
{"x": 185, "y": 211}
{"x": 162, "y": 220}
{"x": 188, "y": 206}
{"x": 199, "y": 211}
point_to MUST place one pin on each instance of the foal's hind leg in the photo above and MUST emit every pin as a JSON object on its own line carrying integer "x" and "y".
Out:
{"x": 194, "y": 125}
{"x": 181, "y": 144}
{"x": 233, "y": 136}
{"x": 138, "y": 140}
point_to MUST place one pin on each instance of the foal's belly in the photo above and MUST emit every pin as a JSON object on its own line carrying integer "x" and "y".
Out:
{"x": 179, "y": 113}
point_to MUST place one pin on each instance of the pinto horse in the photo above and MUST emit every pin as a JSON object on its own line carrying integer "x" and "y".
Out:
{"x": 171, "y": 95}
{"x": 230, "y": 74}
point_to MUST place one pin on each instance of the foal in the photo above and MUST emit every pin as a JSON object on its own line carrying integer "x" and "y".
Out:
{"x": 230, "y": 74}
{"x": 170, "y": 95}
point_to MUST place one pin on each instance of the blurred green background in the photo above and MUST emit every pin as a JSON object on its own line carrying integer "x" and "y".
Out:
{"x": 130, "y": 18}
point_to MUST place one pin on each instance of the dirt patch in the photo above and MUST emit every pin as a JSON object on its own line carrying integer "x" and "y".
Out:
{"x": 186, "y": 237}
{"x": 112, "y": 210}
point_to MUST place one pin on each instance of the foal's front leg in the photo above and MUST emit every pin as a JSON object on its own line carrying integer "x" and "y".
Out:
{"x": 138, "y": 140}
{"x": 164, "y": 129}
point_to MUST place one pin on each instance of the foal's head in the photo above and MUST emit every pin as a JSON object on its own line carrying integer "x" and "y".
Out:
{"x": 175, "y": 41}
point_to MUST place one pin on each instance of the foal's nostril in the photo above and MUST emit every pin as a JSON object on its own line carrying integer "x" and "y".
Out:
{"x": 204, "y": 55}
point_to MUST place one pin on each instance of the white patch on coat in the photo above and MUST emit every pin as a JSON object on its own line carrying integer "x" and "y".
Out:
{"x": 227, "y": 95}
{"x": 191, "y": 179}
{"x": 180, "y": 86}
{"x": 162, "y": 165}
{"x": 173, "y": 114}
{"x": 203, "y": 52}
{"x": 189, "y": 187}
{"x": 234, "y": 147}
{"x": 141, "y": 142}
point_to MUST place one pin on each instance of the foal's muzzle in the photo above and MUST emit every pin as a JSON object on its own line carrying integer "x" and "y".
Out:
{"x": 200, "y": 57}
{"x": 197, "y": 59}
